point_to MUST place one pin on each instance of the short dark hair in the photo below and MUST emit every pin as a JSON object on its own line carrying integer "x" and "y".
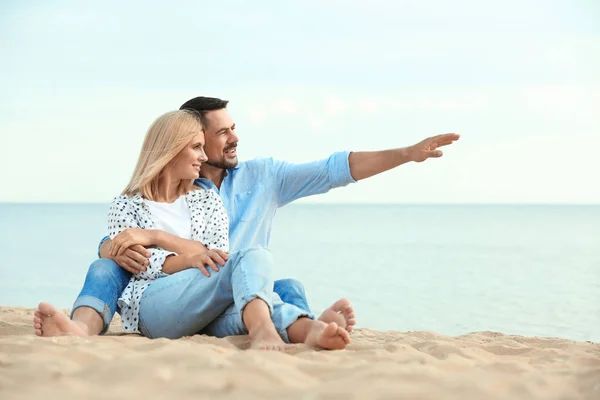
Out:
{"x": 202, "y": 105}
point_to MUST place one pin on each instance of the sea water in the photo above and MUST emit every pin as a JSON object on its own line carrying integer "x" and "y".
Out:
{"x": 453, "y": 269}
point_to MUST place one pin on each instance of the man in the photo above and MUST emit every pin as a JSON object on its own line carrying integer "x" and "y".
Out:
{"x": 251, "y": 192}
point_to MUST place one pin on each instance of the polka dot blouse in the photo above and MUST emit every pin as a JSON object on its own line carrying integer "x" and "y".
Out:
{"x": 210, "y": 226}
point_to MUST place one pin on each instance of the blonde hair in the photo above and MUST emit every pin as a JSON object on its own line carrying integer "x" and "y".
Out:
{"x": 166, "y": 138}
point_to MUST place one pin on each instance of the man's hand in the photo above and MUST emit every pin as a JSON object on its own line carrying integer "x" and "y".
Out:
{"x": 134, "y": 259}
{"x": 130, "y": 237}
{"x": 428, "y": 148}
{"x": 365, "y": 164}
{"x": 210, "y": 258}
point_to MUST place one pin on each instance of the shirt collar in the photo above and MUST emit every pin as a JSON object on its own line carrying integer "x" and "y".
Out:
{"x": 137, "y": 198}
{"x": 227, "y": 172}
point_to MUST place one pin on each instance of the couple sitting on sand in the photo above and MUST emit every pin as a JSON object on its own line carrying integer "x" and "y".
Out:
{"x": 167, "y": 265}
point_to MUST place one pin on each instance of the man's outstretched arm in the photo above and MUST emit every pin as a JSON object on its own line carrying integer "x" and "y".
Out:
{"x": 300, "y": 180}
{"x": 368, "y": 163}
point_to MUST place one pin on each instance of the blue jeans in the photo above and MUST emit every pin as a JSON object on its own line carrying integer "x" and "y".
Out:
{"x": 105, "y": 281}
{"x": 186, "y": 302}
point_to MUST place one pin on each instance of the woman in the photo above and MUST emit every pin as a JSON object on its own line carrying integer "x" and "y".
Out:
{"x": 173, "y": 297}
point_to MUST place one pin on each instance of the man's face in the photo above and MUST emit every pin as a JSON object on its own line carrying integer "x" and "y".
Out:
{"x": 221, "y": 139}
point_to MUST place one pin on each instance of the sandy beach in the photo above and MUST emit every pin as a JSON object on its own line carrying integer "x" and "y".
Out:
{"x": 412, "y": 365}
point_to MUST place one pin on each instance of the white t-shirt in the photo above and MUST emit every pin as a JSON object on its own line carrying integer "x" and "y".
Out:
{"x": 173, "y": 218}
{"x": 206, "y": 218}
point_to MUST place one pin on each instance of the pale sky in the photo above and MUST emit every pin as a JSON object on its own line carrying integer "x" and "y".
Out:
{"x": 519, "y": 80}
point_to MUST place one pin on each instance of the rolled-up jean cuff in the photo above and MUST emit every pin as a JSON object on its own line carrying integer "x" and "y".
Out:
{"x": 288, "y": 322}
{"x": 101, "y": 308}
{"x": 261, "y": 295}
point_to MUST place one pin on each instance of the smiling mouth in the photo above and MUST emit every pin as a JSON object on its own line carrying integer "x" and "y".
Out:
{"x": 197, "y": 167}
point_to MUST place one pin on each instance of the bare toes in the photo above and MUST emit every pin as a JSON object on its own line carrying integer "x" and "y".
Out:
{"x": 344, "y": 335}
{"x": 38, "y": 332}
{"x": 340, "y": 305}
{"x": 47, "y": 309}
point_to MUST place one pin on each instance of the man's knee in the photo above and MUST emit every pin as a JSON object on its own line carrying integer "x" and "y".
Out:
{"x": 289, "y": 286}
{"x": 104, "y": 269}
{"x": 292, "y": 291}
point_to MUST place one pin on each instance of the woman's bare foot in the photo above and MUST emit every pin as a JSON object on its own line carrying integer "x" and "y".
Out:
{"x": 328, "y": 336}
{"x": 342, "y": 313}
{"x": 48, "y": 321}
{"x": 267, "y": 338}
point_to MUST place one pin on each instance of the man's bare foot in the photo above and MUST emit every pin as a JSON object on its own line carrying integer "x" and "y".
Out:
{"x": 48, "y": 321}
{"x": 328, "y": 336}
{"x": 342, "y": 313}
{"x": 266, "y": 338}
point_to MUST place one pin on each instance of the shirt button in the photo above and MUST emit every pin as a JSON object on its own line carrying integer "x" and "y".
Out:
{"x": 249, "y": 192}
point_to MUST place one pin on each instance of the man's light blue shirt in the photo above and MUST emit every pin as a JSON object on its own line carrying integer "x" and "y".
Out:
{"x": 254, "y": 190}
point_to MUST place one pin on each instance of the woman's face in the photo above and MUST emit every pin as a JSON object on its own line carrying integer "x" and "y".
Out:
{"x": 187, "y": 164}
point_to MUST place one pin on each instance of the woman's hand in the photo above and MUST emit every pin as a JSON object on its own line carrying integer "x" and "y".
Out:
{"x": 210, "y": 258}
{"x": 130, "y": 237}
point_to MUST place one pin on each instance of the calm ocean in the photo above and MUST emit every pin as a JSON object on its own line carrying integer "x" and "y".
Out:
{"x": 529, "y": 270}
